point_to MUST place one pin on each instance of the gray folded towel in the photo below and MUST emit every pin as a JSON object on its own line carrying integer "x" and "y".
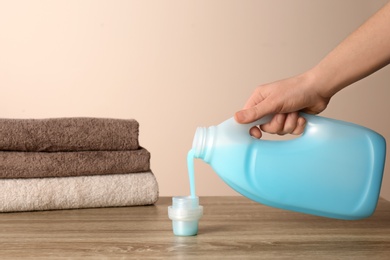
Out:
{"x": 78, "y": 192}
{"x": 68, "y": 134}
{"x": 64, "y": 164}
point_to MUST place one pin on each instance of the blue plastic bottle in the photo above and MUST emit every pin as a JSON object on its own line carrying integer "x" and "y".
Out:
{"x": 333, "y": 170}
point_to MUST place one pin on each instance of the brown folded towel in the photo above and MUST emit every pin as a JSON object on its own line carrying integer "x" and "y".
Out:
{"x": 68, "y": 134}
{"x": 65, "y": 164}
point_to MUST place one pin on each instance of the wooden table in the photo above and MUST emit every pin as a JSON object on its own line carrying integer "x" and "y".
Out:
{"x": 231, "y": 228}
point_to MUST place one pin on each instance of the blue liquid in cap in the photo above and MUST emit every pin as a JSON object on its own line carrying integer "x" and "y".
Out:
{"x": 185, "y": 213}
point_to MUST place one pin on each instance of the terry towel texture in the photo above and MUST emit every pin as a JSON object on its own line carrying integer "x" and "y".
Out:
{"x": 64, "y": 164}
{"x": 78, "y": 192}
{"x": 69, "y": 163}
{"x": 68, "y": 134}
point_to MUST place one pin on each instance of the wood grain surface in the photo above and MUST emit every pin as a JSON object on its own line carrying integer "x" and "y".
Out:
{"x": 231, "y": 228}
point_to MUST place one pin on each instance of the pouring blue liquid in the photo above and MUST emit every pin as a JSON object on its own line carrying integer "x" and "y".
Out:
{"x": 185, "y": 211}
{"x": 191, "y": 172}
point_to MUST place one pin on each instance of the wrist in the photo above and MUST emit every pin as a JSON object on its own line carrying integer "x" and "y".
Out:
{"x": 323, "y": 81}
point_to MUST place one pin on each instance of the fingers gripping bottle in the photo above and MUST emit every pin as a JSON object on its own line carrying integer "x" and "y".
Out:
{"x": 333, "y": 170}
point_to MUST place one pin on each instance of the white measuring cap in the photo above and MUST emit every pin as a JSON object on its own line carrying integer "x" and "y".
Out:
{"x": 185, "y": 213}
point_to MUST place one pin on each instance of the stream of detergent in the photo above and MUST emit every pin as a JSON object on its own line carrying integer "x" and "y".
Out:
{"x": 191, "y": 173}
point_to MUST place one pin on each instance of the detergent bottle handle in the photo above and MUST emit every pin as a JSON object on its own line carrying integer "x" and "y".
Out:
{"x": 260, "y": 121}
{"x": 230, "y": 131}
{"x": 269, "y": 117}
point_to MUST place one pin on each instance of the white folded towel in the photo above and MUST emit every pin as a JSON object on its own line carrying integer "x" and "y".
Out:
{"x": 93, "y": 191}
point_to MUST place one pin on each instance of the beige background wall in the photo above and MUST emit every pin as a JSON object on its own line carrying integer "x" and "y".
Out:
{"x": 173, "y": 66}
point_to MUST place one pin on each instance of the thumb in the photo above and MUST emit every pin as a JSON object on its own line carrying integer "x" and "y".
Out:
{"x": 251, "y": 114}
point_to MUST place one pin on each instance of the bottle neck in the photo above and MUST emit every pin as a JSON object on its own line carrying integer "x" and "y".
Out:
{"x": 203, "y": 142}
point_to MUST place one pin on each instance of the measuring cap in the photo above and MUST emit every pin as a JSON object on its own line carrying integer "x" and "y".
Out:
{"x": 185, "y": 213}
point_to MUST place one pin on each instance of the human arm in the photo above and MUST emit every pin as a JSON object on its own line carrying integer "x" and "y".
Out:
{"x": 363, "y": 52}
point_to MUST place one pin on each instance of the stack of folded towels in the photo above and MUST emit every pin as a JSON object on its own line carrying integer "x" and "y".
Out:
{"x": 67, "y": 163}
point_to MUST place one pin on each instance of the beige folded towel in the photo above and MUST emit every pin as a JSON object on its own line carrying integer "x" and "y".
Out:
{"x": 64, "y": 164}
{"x": 78, "y": 192}
{"x": 68, "y": 134}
